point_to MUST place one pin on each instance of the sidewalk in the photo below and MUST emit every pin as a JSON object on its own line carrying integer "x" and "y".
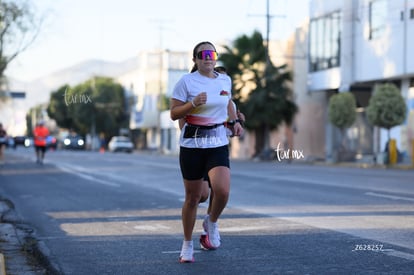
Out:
{"x": 398, "y": 166}
{"x": 17, "y": 247}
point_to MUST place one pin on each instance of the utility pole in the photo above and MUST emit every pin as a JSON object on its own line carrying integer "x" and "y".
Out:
{"x": 267, "y": 38}
{"x": 161, "y": 26}
{"x": 267, "y": 32}
{"x": 267, "y": 70}
{"x": 161, "y": 23}
{"x": 93, "y": 126}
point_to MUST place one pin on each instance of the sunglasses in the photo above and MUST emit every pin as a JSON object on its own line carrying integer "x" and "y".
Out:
{"x": 207, "y": 54}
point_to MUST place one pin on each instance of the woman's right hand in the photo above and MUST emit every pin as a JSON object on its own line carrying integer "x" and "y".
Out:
{"x": 200, "y": 99}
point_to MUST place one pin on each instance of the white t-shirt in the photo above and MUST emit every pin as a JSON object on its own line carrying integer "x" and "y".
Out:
{"x": 213, "y": 112}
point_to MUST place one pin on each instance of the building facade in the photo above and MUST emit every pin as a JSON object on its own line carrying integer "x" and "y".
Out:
{"x": 12, "y": 112}
{"x": 352, "y": 46}
{"x": 150, "y": 85}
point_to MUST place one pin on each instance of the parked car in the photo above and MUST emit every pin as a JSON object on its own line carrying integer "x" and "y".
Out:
{"x": 9, "y": 142}
{"x": 74, "y": 142}
{"x": 120, "y": 144}
{"x": 19, "y": 141}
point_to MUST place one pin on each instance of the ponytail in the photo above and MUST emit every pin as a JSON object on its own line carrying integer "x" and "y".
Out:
{"x": 194, "y": 68}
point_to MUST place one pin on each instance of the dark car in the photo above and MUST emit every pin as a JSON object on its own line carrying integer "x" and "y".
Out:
{"x": 9, "y": 142}
{"x": 19, "y": 141}
{"x": 74, "y": 142}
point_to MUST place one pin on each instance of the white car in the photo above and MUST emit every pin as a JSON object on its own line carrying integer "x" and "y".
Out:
{"x": 120, "y": 144}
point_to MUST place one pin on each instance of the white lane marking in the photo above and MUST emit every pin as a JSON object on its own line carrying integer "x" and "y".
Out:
{"x": 78, "y": 172}
{"x": 245, "y": 228}
{"x": 178, "y": 251}
{"x": 321, "y": 182}
{"x": 392, "y": 197}
{"x": 156, "y": 227}
{"x": 399, "y": 254}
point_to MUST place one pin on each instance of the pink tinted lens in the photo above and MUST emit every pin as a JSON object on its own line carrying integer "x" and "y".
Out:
{"x": 207, "y": 54}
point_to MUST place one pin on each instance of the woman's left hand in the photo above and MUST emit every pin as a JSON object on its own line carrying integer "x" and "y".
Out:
{"x": 237, "y": 129}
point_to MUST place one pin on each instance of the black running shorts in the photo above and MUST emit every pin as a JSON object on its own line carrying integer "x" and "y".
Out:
{"x": 40, "y": 148}
{"x": 196, "y": 162}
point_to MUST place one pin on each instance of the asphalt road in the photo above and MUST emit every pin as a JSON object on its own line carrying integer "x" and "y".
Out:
{"x": 110, "y": 213}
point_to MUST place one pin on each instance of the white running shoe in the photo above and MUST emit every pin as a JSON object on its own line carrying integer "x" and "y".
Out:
{"x": 187, "y": 253}
{"x": 213, "y": 235}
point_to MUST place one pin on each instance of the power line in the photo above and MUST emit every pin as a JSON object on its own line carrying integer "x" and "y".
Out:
{"x": 268, "y": 18}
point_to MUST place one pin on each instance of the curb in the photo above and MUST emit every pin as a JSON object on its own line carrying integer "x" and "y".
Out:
{"x": 363, "y": 165}
{"x": 2, "y": 265}
{"x": 17, "y": 244}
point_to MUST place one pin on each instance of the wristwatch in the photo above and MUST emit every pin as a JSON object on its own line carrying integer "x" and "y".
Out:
{"x": 232, "y": 122}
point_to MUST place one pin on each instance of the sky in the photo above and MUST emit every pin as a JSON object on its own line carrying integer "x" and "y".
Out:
{"x": 114, "y": 30}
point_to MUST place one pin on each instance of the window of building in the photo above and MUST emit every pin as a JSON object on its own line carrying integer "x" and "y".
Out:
{"x": 324, "y": 42}
{"x": 411, "y": 13}
{"x": 377, "y": 18}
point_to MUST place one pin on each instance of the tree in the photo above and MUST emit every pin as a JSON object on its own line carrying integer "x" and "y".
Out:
{"x": 97, "y": 105}
{"x": 109, "y": 105}
{"x": 58, "y": 108}
{"x": 342, "y": 114}
{"x": 341, "y": 110}
{"x": 18, "y": 29}
{"x": 261, "y": 89}
{"x": 386, "y": 107}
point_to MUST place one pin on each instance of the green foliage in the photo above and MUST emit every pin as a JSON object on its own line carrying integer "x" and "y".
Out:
{"x": 260, "y": 89}
{"x": 342, "y": 110}
{"x": 18, "y": 29}
{"x": 80, "y": 109}
{"x": 386, "y": 107}
{"x": 268, "y": 98}
{"x": 270, "y": 102}
{"x": 58, "y": 109}
{"x": 163, "y": 102}
{"x": 245, "y": 63}
{"x": 97, "y": 103}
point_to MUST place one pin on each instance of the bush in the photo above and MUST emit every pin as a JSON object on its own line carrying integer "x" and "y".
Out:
{"x": 342, "y": 110}
{"x": 386, "y": 107}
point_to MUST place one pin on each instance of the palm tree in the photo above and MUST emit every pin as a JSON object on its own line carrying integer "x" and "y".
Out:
{"x": 261, "y": 89}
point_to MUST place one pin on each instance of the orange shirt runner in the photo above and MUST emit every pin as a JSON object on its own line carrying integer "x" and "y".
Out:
{"x": 40, "y": 135}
